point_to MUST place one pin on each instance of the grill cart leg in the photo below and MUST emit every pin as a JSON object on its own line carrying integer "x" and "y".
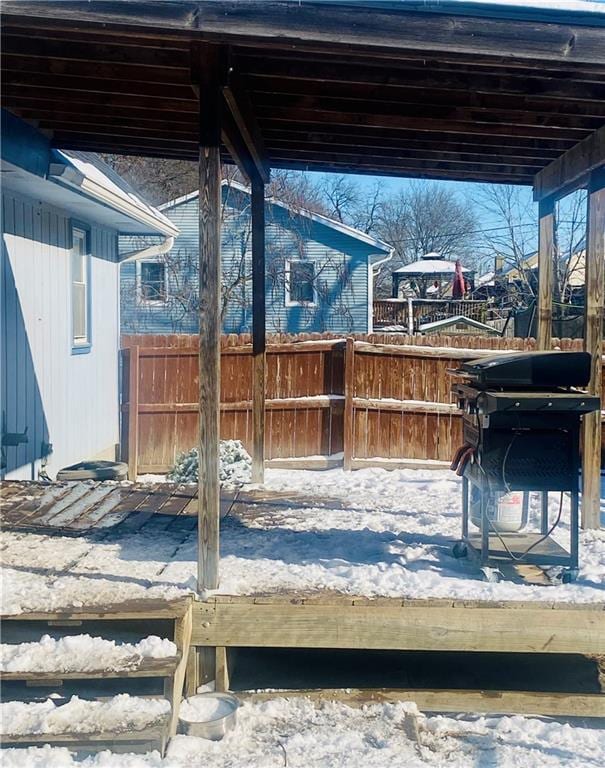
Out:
{"x": 574, "y": 517}
{"x": 465, "y": 506}
{"x": 544, "y": 523}
{"x": 484, "y": 528}
{"x": 574, "y": 525}
{"x": 460, "y": 548}
{"x": 525, "y": 509}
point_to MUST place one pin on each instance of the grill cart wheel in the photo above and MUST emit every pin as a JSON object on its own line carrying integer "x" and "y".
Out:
{"x": 569, "y": 576}
{"x": 94, "y": 470}
{"x": 492, "y": 575}
{"x": 460, "y": 550}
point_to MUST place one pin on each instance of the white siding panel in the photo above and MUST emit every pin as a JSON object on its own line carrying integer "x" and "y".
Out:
{"x": 68, "y": 400}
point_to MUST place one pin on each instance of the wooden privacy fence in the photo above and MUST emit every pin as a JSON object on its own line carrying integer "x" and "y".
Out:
{"x": 378, "y": 398}
{"x": 305, "y": 399}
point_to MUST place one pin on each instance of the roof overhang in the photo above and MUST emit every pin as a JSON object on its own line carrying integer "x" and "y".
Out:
{"x": 447, "y": 91}
{"x": 80, "y": 185}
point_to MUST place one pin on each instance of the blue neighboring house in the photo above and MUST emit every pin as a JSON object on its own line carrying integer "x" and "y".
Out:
{"x": 62, "y": 214}
{"x": 319, "y": 272}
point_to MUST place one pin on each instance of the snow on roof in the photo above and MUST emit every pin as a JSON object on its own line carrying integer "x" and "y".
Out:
{"x": 100, "y": 181}
{"x": 485, "y": 279}
{"x": 590, "y": 6}
{"x": 498, "y": 8}
{"x": 427, "y": 266}
{"x": 447, "y": 321}
{"x": 318, "y": 217}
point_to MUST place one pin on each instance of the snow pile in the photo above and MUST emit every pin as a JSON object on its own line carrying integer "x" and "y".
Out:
{"x": 82, "y": 653}
{"x": 203, "y": 708}
{"x": 296, "y": 733}
{"x": 116, "y": 715}
{"x": 235, "y": 465}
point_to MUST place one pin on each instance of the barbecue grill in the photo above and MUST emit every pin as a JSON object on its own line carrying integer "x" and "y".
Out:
{"x": 521, "y": 418}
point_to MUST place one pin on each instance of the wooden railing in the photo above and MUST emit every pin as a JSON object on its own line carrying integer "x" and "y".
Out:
{"x": 389, "y": 312}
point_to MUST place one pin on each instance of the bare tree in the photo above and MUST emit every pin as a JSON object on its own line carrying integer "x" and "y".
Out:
{"x": 297, "y": 190}
{"x": 423, "y": 218}
{"x": 366, "y": 213}
{"x": 342, "y": 196}
{"x": 512, "y": 239}
{"x": 570, "y": 216}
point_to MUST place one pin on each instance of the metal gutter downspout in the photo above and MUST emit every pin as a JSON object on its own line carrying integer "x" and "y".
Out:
{"x": 159, "y": 249}
{"x": 371, "y": 275}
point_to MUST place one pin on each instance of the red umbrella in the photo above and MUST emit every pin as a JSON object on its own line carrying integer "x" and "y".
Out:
{"x": 458, "y": 288}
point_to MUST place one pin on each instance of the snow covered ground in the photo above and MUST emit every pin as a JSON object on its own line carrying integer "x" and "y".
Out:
{"x": 371, "y": 532}
{"x": 297, "y": 734}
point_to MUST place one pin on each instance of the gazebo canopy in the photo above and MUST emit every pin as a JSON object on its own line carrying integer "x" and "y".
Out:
{"x": 428, "y": 266}
{"x": 465, "y": 90}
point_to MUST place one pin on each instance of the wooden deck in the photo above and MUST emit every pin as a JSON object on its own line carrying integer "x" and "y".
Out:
{"x": 208, "y": 631}
{"x": 82, "y": 508}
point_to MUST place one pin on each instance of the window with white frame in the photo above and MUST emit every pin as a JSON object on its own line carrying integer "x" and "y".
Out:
{"x": 152, "y": 281}
{"x": 80, "y": 289}
{"x": 300, "y": 283}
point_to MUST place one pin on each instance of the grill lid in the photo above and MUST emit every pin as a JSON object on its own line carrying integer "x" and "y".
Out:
{"x": 532, "y": 370}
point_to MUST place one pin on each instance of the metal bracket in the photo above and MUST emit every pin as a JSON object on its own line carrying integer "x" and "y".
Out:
{"x": 14, "y": 438}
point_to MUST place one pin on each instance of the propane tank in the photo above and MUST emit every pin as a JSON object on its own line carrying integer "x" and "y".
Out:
{"x": 504, "y": 510}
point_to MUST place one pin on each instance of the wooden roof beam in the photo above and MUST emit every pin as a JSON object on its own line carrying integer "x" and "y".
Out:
{"x": 572, "y": 169}
{"x": 366, "y": 106}
{"x": 315, "y": 26}
{"x": 418, "y": 123}
{"x": 428, "y": 73}
{"x": 244, "y": 122}
{"x": 239, "y": 131}
{"x": 411, "y": 86}
{"x": 488, "y": 177}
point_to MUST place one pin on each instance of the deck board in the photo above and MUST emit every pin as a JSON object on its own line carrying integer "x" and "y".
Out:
{"x": 429, "y": 625}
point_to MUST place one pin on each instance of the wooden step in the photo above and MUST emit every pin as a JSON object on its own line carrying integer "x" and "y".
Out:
{"x": 146, "y": 740}
{"x": 148, "y": 667}
{"x": 154, "y": 735}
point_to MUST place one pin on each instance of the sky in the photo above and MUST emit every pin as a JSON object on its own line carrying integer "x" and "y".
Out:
{"x": 469, "y": 189}
{"x": 463, "y": 189}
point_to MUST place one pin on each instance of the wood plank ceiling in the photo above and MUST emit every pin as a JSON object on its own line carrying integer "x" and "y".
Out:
{"x": 381, "y": 90}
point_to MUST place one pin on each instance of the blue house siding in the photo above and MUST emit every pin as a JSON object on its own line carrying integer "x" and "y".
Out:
{"x": 56, "y": 396}
{"x": 341, "y": 269}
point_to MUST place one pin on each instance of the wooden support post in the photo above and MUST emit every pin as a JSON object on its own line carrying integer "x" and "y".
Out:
{"x": 210, "y": 326}
{"x": 349, "y": 414}
{"x": 410, "y": 317}
{"x": 546, "y": 255}
{"x": 259, "y": 357}
{"x": 133, "y": 412}
{"x": 173, "y": 688}
{"x": 192, "y": 675}
{"x": 206, "y": 665}
{"x": 593, "y": 343}
{"x": 221, "y": 677}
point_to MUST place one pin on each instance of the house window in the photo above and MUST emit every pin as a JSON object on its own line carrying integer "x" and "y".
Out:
{"x": 80, "y": 290}
{"x": 152, "y": 281}
{"x": 300, "y": 283}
